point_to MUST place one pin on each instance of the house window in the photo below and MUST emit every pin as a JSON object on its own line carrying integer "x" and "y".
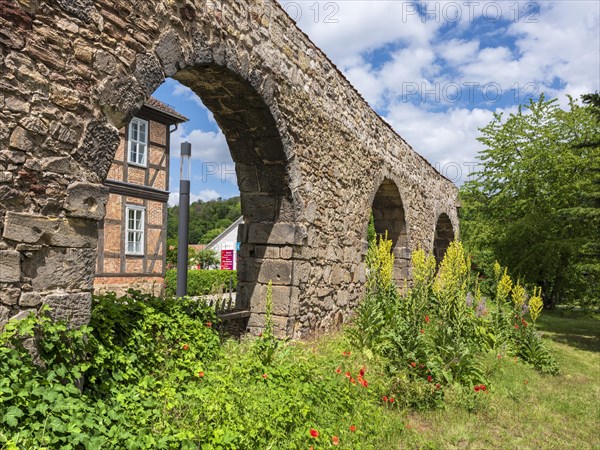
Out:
{"x": 138, "y": 141}
{"x": 134, "y": 232}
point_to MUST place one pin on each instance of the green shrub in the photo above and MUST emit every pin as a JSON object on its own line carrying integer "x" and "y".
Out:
{"x": 202, "y": 282}
{"x": 123, "y": 356}
{"x": 434, "y": 337}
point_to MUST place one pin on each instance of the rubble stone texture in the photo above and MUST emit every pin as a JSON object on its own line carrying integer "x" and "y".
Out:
{"x": 312, "y": 158}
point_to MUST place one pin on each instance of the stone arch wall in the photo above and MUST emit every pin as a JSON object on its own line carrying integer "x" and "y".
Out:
{"x": 72, "y": 73}
{"x": 443, "y": 236}
{"x": 389, "y": 218}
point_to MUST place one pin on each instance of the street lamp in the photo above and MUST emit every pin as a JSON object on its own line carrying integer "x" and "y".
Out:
{"x": 184, "y": 216}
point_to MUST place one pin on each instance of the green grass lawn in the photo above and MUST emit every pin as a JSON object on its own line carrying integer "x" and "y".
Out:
{"x": 524, "y": 409}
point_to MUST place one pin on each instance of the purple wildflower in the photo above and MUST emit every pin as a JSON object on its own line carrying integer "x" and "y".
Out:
{"x": 470, "y": 299}
{"x": 481, "y": 309}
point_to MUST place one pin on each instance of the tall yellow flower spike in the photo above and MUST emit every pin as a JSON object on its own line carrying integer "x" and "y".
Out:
{"x": 504, "y": 287}
{"x": 497, "y": 271}
{"x": 518, "y": 295}
{"x": 536, "y": 304}
{"x": 423, "y": 268}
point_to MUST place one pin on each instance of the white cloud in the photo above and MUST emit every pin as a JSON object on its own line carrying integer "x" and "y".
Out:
{"x": 382, "y": 47}
{"x": 205, "y": 195}
{"x": 208, "y": 146}
{"x": 179, "y": 90}
{"x": 448, "y": 139}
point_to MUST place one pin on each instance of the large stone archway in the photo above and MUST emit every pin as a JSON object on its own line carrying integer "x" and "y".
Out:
{"x": 389, "y": 220}
{"x": 309, "y": 151}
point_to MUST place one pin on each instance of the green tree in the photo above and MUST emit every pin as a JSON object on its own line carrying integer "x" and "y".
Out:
{"x": 206, "y": 259}
{"x": 204, "y": 217}
{"x": 533, "y": 206}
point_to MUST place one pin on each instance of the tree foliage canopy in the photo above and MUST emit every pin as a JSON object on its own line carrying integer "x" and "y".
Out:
{"x": 534, "y": 205}
{"x": 207, "y": 219}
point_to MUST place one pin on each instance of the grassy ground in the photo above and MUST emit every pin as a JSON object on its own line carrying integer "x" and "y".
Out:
{"x": 524, "y": 409}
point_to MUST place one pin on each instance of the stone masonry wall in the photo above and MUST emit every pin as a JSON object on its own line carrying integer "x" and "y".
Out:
{"x": 310, "y": 154}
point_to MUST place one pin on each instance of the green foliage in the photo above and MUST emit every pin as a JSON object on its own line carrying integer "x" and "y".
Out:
{"x": 157, "y": 377}
{"x": 120, "y": 360}
{"x": 433, "y": 337}
{"x": 267, "y": 344}
{"x": 207, "y": 219}
{"x": 202, "y": 282}
{"x": 534, "y": 205}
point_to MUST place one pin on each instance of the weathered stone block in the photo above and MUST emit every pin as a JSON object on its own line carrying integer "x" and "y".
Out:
{"x": 99, "y": 144}
{"x": 65, "y": 268}
{"x": 169, "y": 52}
{"x": 30, "y": 299}
{"x": 86, "y": 200}
{"x": 10, "y": 266}
{"x": 9, "y": 296}
{"x": 72, "y": 308}
{"x": 276, "y": 271}
{"x": 33, "y": 229}
{"x": 148, "y": 72}
{"x": 20, "y": 140}
{"x": 4, "y": 315}
{"x": 282, "y": 299}
{"x": 277, "y": 233}
{"x": 57, "y": 164}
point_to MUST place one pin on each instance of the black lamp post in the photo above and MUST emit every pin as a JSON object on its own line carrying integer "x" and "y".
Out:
{"x": 184, "y": 215}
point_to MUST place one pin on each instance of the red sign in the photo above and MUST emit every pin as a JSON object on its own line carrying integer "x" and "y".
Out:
{"x": 226, "y": 259}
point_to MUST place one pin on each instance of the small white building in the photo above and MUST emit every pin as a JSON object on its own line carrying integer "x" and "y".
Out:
{"x": 226, "y": 246}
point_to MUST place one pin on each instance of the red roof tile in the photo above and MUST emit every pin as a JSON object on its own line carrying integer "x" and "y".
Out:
{"x": 165, "y": 109}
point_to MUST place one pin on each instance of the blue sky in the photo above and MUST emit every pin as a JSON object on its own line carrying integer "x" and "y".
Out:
{"x": 435, "y": 70}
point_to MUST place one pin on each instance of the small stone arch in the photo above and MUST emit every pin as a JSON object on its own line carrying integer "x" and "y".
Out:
{"x": 389, "y": 217}
{"x": 443, "y": 236}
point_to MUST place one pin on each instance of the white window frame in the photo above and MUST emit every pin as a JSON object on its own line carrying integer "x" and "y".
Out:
{"x": 137, "y": 149}
{"x": 140, "y": 231}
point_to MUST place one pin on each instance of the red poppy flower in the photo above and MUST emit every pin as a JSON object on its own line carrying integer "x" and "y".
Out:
{"x": 437, "y": 386}
{"x": 385, "y": 399}
{"x": 314, "y": 433}
{"x": 338, "y": 370}
{"x": 335, "y": 440}
{"x": 414, "y": 364}
{"x": 483, "y": 388}
{"x": 201, "y": 374}
{"x": 427, "y": 319}
{"x": 362, "y": 371}
{"x": 391, "y": 399}
{"x": 429, "y": 378}
{"x": 365, "y": 383}
{"x": 422, "y": 331}
{"x": 347, "y": 375}
{"x": 476, "y": 388}
{"x": 209, "y": 324}
{"x": 352, "y": 380}
{"x": 186, "y": 347}
{"x": 516, "y": 327}
{"x": 265, "y": 376}
{"x": 352, "y": 428}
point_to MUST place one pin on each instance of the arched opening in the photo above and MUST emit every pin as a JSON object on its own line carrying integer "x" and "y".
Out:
{"x": 267, "y": 235}
{"x": 444, "y": 234}
{"x": 389, "y": 217}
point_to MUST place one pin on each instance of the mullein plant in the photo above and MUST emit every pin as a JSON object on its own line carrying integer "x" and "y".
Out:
{"x": 433, "y": 334}
{"x": 514, "y": 335}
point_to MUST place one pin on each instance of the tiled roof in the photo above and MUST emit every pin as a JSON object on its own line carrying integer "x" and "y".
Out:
{"x": 166, "y": 109}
